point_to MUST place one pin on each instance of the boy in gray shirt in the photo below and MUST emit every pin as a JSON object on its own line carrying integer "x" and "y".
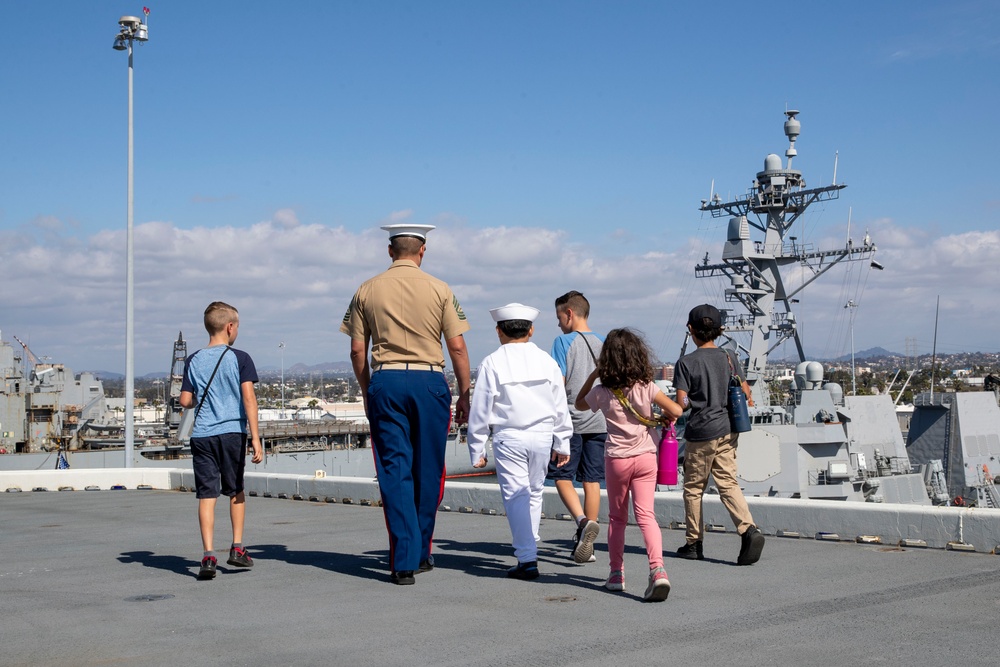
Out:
{"x": 702, "y": 382}
{"x": 576, "y": 352}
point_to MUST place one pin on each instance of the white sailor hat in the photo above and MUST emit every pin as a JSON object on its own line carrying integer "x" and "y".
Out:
{"x": 514, "y": 311}
{"x": 406, "y": 229}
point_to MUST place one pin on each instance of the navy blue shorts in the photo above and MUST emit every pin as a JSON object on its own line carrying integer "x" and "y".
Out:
{"x": 218, "y": 462}
{"x": 586, "y": 459}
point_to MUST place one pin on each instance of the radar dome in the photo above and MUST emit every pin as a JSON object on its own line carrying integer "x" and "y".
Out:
{"x": 836, "y": 392}
{"x": 814, "y": 373}
{"x": 772, "y": 163}
{"x": 800, "y": 375}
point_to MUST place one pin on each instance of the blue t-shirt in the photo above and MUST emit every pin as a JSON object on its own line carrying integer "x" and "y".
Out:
{"x": 223, "y": 411}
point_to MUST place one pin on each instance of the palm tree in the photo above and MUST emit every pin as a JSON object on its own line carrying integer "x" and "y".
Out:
{"x": 312, "y": 407}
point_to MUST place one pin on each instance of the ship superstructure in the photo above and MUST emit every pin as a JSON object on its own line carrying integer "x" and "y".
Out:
{"x": 821, "y": 444}
{"x": 777, "y": 199}
{"x": 46, "y": 407}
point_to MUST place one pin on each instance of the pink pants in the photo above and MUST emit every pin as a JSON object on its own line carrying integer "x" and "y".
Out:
{"x": 635, "y": 475}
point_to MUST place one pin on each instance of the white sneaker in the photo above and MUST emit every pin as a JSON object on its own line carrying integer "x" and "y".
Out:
{"x": 587, "y": 532}
{"x": 659, "y": 586}
{"x": 616, "y": 581}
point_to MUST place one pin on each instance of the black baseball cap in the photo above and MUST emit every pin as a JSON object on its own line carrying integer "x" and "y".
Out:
{"x": 699, "y": 314}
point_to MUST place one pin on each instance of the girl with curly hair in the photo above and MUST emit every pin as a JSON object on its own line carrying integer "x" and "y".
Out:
{"x": 626, "y": 395}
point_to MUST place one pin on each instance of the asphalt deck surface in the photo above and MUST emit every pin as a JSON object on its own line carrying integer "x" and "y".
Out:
{"x": 109, "y": 578}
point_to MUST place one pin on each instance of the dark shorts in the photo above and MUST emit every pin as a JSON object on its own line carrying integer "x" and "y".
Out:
{"x": 218, "y": 462}
{"x": 586, "y": 459}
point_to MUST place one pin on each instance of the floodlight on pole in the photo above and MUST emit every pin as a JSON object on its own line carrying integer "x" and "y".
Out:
{"x": 281, "y": 346}
{"x": 132, "y": 29}
{"x": 851, "y": 305}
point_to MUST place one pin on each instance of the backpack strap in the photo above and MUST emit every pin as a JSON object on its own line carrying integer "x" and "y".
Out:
{"x": 592, "y": 355}
{"x": 205, "y": 394}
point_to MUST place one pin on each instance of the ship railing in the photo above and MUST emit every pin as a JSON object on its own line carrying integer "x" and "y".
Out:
{"x": 821, "y": 478}
{"x": 894, "y": 465}
{"x": 889, "y": 465}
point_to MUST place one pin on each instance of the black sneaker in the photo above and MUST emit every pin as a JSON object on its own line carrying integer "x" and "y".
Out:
{"x": 525, "y": 571}
{"x": 427, "y": 565}
{"x": 402, "y": 578}
{"x": 583, "y": 548}
{"x": 691, "y": 551}
{"x": 207, "y": 571}
{"x": 752, "y": 545}
{"x": 239, "y": 558}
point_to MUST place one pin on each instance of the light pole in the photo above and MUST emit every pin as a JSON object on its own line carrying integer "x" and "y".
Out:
{"x": 854, "y": 387}
{"x": 132, "y": 30}
{"x": 281, "y": 346}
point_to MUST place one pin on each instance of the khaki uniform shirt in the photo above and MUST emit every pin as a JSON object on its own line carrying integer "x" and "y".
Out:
{"x": 404, "y": 312}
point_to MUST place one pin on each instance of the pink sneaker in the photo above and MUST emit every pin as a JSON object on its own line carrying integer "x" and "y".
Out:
{"x": 659, "y": 586}
{"x": 616, "y": 581}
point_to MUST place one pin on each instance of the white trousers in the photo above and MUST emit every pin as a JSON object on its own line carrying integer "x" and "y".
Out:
{"x": 522, "y": 459}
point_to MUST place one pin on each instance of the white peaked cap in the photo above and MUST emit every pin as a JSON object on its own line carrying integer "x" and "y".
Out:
{"x": 514, "y": 311}
{"x": 406, "y": 229}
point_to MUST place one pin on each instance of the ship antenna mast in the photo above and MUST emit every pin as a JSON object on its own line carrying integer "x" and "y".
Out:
{"x": 754, "y": 268}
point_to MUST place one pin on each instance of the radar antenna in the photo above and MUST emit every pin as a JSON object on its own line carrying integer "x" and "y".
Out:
{"x": 754, "y": 268}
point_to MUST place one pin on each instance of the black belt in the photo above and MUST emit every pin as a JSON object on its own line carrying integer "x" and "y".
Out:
{"x": 408, "y": 366}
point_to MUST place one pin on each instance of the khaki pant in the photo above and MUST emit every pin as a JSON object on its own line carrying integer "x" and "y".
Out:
{"x": 716, "y": 458}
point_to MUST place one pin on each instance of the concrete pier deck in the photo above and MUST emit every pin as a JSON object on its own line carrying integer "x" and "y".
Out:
{"x": 108, "y": 578}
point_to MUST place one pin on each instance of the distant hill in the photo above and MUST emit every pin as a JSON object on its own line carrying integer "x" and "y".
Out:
{"x": 106, "y": 375}
{"x": 329, "y": 368}
{"x": 118, "y": 377}
{"x": 870, "y": 353}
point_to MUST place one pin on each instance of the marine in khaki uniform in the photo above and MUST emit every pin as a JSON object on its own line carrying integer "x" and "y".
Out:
{"x": 402, "y": 314}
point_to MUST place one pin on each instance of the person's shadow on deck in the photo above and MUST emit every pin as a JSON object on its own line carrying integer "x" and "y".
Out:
{"x": 170, "y": 563}
{"x": 492, "y": 559}
{"x": 368, "y": 565}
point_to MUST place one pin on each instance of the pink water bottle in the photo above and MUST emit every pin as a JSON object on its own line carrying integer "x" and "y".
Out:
{"x": 666, "y": 473}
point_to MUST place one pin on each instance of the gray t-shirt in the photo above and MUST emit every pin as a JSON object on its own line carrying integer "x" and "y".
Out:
{"x": 704, "y": 375}
{"x": 576, "y": 363}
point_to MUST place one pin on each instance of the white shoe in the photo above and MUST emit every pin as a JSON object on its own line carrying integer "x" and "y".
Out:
{"x": 659, "y": 586}
{"x": 583, "y": 551}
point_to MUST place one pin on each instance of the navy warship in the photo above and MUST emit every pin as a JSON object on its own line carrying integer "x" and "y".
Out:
{"x": 823, "y": 443}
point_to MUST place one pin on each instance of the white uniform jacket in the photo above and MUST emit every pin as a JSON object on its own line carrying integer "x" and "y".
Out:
{"x": 519, "y": 387}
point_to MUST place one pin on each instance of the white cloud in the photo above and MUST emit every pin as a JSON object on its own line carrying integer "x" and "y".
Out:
{"x": 286, "y": 218}
{"x": 398, "y": 216}
{"x": 65, "y": 295}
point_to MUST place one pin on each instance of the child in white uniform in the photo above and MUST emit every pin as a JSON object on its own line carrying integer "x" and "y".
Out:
{"x": 520, "y": 397}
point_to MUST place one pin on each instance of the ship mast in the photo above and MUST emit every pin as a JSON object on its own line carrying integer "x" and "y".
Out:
{"x": 754, "y": 268}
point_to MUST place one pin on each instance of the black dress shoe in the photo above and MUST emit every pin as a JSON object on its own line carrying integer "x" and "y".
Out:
{"x": 402, "y": 578}
{"x": 526, "y": 571}
{"x": 751, "y": 544}
{"x": 692, "y": 551}
{"x": 427, "y": 565}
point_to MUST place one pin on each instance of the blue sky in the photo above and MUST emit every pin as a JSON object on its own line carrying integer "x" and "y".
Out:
{"x": 557, "y": 145}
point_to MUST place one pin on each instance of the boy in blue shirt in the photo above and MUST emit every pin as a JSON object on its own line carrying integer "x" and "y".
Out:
{"x": 218, "y": 385}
